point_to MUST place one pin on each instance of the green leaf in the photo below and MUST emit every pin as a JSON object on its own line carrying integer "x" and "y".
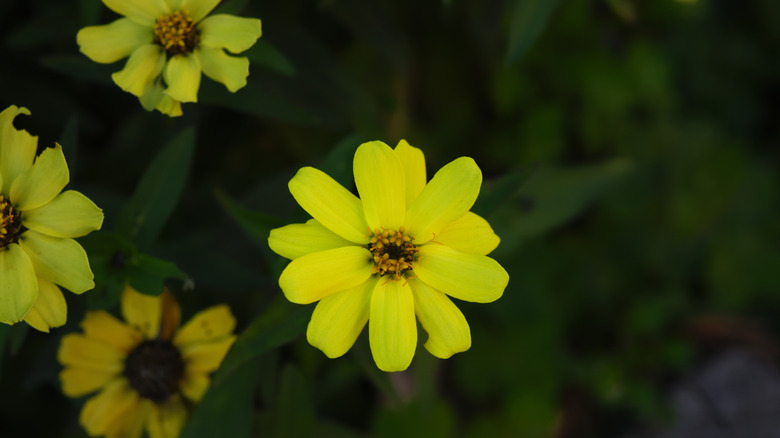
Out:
{"x": 338, "y": 162}
{"x": 551, "y": 197}
{"x": 230, "y": 7}
{"x": 79, "y": 67}
{"x": 257, "y": 225}
{"x": 147, "y": 274}
{"x": 495, "y": 193}
{"x": 69, "y": 142}
{"x": 529, "y": 19}
{"x": 257, "y": 98}
{"x": 156, "y": 195}
{"x": 226, "y": 409}
{"x": 265, "y": 54}
{"x": 293, "y": 412}
{"x": 279, "y": 325}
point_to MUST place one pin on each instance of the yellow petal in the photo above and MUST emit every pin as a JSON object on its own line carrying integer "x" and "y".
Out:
{"x": 230, "y": 32}
{"x": 330, "y": 204}
{"x": 81, "y": 381}
{"x": 392, "y": 329}
{"x": 182, "y": 75}
{"x": 206, "y": 326}
{"x": 154, "y": 97}
{"x": 338, "y": 319}
{"x": 167, "y": 419}
{"x": 143, "y": 12}
{"x": 70, "y": 214}
{"x": 50, "y": 309}
{"x": 413, "y": 162}
{"x": 141, "y": 69}
{"x": 447, "y": 197}
{"x": 470, "y": 234}
{"x": 381, "y": 185}
{"x": 102, "y": 326}
{"x": 467, "y": 277}
{"x": 142, "y": 312}
{"x": 61, "y": 261}
{"x": 79, "y": 351}
{"x": 295, "y": 240}
{"x": 42, "y": 182}
{"x": 17, "y": 147}
{"x": 198, "y": 8}
{"x": 131, "y": 419}
{"x": 194, "y": 385}
{"x": 205, "y": 357}
{"x": 107, "y": 406}
{"x": 111, "y": 42}
{"x": 231, "y": 71}
{"x": 448, "y": 331}
{"x": 316, "y": 275}
{"x": 18, "y": 285}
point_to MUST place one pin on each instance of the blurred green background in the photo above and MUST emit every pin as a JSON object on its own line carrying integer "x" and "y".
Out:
{"x": 629, "y": 151}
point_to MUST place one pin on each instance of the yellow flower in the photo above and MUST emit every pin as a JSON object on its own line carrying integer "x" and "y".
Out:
{"x": 37, "y": 227}
{"x": 148, "y": 372}
{"x": 169, "y": 44}
{"x": 397, "y": 251}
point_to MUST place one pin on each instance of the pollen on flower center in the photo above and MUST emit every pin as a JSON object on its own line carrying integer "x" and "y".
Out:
{"x": 176, "y": 33}
{"x": 393, "y": 251}
{"x": 154, "y": 369}
{"x": 10, "y": 223}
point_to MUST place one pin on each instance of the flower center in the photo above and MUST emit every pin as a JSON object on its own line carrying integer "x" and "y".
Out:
{"x": 176, "y": 33}
{"x": 10, "y": 223}
{"x": 393, "y": 252}
{"x": 154, "y": 369}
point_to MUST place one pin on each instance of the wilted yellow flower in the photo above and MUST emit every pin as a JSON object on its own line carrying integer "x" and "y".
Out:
{"x": 148, "y": 371}
{"x": 397, "y": 251}
{"x": 37, "y": 227}
{"x": 169, "y": 44}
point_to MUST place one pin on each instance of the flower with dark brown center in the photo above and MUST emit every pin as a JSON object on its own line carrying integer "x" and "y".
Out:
{"x": 154, "y": 369}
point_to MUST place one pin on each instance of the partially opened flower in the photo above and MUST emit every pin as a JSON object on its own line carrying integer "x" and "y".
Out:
{"x": 169, "y": 44}
{"x": 148, "y": 371}
{"x": 37, "y": 227}
{"x": 398, "y": 251}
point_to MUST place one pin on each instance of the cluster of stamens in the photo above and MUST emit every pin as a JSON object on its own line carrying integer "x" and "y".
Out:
{"x": 176, "y": 33}
{"x": 10, "y": 223}
{"x": 154, "y": 369}
{"x": 393, "y": 251}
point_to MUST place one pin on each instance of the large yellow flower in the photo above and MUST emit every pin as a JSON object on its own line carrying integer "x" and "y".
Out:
{"x": 169, "y": 44}
{"x": 37, "y": 227}
{"x": 397, "y": 251}
{"x": 148, "y": 371}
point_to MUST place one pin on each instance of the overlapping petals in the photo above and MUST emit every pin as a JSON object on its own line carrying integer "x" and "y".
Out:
{"x": 162, "y": 78}
{"x": 331, "y": 262}
{"x": 39, "y": 255}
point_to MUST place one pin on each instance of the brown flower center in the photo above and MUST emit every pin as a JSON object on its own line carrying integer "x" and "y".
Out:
{"x": 176, "y": 33}
{"x": 154, "y": 369}
{"x": 10, "y": 223}
{"x": 393, "y": 252}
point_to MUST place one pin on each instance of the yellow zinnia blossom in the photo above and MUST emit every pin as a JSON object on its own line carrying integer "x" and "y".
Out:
{"x": 169, "y": 44}
{"x": 394, "y": 253}
{"x": 37, "y": 227}
{"x": 149, "y": 371}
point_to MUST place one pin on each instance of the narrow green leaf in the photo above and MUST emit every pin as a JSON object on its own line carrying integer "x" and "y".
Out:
{"x": 552, "y": 197}
{"x": 147, "y": 274}
{"x": 69, "y": 142}
{"x": 79, "y": 67}
{"x": 226, "y": 409}
{"x": 274, "y": 328}
{"x": 294, "y": 415}
{"x": 257, "y": 225}
{"x": 338, "y": 162}
{"x": 256, "y": 98}
{"x": 231, "y": 7}
{"x": 158, "y": 192}
{"x": 496, "y": 193}
{"x": 265, "y": 54}
{"x": 529, "y": 19}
